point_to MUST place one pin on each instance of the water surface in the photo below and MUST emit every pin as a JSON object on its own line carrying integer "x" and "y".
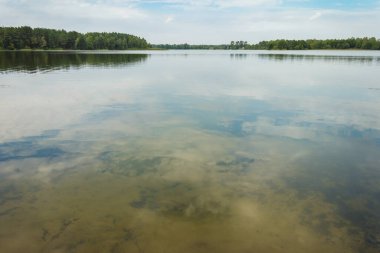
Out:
{"x": 190, "y": 151}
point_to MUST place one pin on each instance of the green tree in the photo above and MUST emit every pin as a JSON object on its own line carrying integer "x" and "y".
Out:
{"x": 80, "y": 43}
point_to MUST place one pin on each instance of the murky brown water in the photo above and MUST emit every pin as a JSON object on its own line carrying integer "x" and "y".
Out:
{"x": 190, "y": 152}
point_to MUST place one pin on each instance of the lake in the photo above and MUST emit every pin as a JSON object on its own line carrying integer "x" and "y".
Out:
{"x": 190, "y": 151}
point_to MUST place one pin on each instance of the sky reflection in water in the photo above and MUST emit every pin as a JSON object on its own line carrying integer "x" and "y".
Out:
{"x": 190, "y": 152}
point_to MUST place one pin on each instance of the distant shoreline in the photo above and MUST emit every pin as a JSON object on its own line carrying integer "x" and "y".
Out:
{"x": 80, "y": 50}
{"x": 162, "y": 49}
{"x": 282, "y": 44}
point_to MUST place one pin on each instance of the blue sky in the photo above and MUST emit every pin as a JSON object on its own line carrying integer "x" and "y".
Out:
{"x": 201, "y": 21}
{"x": 340, "y": 4}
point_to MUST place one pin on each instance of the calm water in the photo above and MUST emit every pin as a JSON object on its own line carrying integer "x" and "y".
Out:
{"x": 195, "y": 151}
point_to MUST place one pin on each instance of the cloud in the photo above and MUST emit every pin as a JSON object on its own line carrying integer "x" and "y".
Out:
{"x": 169, "y": 20}
{"x": 315, "y": 16}
{"x": 246, "y": 3}
{"x": 202, "y": 3}
{"x": 73, "y": 9}
{"x": 94, "y": 11}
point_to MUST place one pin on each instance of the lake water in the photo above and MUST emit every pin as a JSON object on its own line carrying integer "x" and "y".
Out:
{"x": 190, "y": 151}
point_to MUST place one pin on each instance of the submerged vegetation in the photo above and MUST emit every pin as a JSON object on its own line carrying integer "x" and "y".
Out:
{"x": 26, "y": 37}
{"x": 189, "y": 152}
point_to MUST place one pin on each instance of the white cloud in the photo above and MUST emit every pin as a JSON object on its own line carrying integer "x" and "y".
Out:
{"x": 315, "y": 16}
{"x": 72, "y": 9}
{"x": 169, "y": 19}
{"x": 204, "y": 3}
{"x": 86, "y": 9}
{"x": 246, "y": 3}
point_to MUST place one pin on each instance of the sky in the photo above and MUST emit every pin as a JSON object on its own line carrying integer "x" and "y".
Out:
{"x": 201, "y": 21}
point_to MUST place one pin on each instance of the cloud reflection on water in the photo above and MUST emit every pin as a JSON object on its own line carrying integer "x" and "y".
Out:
{"x": 203, "y": 153}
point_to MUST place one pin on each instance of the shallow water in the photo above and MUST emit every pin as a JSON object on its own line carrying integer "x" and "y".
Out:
{"x": 190, "y": 151}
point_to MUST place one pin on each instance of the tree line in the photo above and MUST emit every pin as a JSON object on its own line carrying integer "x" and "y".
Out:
{"x": 26, "y": 37}
{"x": 188, "y": 46}
{"x": 351, "y": 43}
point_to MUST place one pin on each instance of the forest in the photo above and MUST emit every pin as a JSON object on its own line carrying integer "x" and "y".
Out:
{"x": 26, "y": 37}
{"x": 351, "y": 43}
